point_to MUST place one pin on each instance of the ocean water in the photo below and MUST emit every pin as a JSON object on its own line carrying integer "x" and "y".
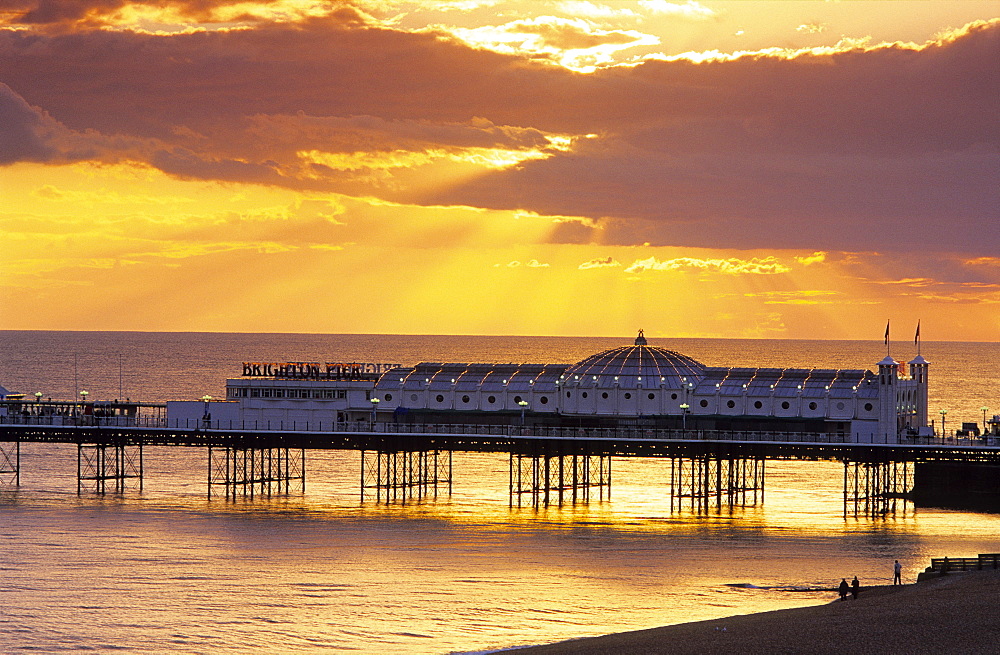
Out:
{"x": 168, "y": 570}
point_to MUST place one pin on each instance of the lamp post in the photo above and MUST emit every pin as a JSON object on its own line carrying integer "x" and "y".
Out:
{"x": 375, "y": 402}
{"x": 206, "y": 417}
{"x": 943, "y": 413}
{"x": 524, "y": 406}
{"x": 983, "y": 409}
{"x": 38, "y": 399}
{"x": 684, "y": 416}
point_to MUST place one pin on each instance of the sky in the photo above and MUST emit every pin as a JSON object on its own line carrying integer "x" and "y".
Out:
{"x": 582, "y": 168}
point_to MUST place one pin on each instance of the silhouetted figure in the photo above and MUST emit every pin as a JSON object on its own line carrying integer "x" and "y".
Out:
{"x": 844, "y": 588}
{"x": 855, "y": 587}
{"x": 944, "y": 566}
{"x": 897, "y": 573}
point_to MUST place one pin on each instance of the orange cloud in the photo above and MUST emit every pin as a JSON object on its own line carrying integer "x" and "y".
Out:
{"x": 731, "y": 266}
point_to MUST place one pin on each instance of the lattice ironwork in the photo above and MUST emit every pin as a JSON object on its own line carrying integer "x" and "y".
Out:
{"x": 559, "y": 478}
{"x": 252, "y": 471}
{"x": 706, "y": 481}
{"x": 388, "y": 476}
{"x": 108, "y": 467}
{"x": 877, "y": 488}
{"x": 10, "y": 462}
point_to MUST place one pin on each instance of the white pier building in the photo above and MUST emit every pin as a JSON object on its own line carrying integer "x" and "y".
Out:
{"x": 632, "y": 386}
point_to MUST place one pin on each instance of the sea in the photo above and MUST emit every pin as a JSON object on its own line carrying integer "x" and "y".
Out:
{"x": 169, "y": 569}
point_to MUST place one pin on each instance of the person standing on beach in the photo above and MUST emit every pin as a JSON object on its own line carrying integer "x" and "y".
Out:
{"x": 855, "y": 587}
{"x": 844, "y": 588}
{"x": 897, "y": 573}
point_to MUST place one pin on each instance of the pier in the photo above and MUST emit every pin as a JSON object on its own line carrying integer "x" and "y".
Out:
{"x": 547, "y": 465}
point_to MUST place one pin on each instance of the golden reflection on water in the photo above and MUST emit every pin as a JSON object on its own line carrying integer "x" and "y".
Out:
{"x": 463, "y": 571}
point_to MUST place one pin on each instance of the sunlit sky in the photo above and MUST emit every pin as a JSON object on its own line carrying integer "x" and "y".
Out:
{"x": 694, "y": 169}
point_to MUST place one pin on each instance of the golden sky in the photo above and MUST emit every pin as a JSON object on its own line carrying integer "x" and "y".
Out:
{"x": 717, "y": 169}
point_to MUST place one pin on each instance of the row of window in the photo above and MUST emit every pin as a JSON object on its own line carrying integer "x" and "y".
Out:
{"x": 307, "y": 394}
{"x": 704, "y": 403}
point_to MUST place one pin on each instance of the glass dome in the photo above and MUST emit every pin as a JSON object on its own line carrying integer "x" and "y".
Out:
{"x": 635, "y": 366}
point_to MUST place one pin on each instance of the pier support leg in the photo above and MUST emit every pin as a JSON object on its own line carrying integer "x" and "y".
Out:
{"x": 404, "y": 475}
{"x": 108, "y": 467}
{"x": 705, "y": 481}
{"x": 876, "y": 488}
{"x": 10, "y": 462}
{"x": 558, "y": 478}
{"x": 250, "y": 471}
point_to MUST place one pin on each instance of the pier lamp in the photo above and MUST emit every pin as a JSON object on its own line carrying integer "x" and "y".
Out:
{"x": 38, "y": 399}
{"x": 983, "y": 409}
{"x": 83, "y": 396}
{"x": 943, "y": 413}
{"x": 206, "y": 417}
{"x": 524, "y": 406}
{"x": 375, "y": 402}
{"x": 684, "y": 415}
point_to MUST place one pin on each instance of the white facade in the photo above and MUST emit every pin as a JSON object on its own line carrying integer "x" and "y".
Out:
{"x": 632, "y": 385}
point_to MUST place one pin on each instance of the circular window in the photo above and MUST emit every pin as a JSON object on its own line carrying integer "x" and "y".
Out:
{"x": 465, "y": 399}
{"x": 730, "y": 404}
{"x": 628, "y": 396}
{"x": 413, "y": 397}
{"x": 812, "y": 405}
{"x": 757, "y": 404}
{"x": 673, "y": 396}
{"x": 840, "y": 405}
{"x": 584, "y": 394}
{"x": 517, "y": 399}
{"x": 784, "y": 404}
{"x": 388, "y": 396}
{"x": 491, "y": 399}
{"x": 868, "y": 407}
{"x": 704, "y": 403}
{"x": 604, "y": 395}
{"x": 651, "y": 396}
{"x": 544, "y": 400}
{"x": 439, "y": 398}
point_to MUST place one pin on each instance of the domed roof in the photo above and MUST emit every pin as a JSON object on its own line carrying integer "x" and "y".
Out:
{"x": 635, "y": 366}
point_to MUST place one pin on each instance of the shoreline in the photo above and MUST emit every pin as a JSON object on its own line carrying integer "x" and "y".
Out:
{"x": 950, "y": 613}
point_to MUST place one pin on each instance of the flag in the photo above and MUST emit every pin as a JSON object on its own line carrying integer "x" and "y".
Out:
{"x": 916, "y": 337}
{"x": 887, "y": 333}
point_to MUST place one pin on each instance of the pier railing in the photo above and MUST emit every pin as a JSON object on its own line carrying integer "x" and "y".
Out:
{"x": 610, "y": 433}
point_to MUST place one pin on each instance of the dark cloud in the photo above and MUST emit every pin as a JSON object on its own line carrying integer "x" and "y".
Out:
{"x": 22, "y": 130}
{"x": 888, "y": 148}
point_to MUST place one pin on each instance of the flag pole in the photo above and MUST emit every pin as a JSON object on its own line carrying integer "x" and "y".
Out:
{"x": 916, "y": 337}
{"x": 887, "y": 337}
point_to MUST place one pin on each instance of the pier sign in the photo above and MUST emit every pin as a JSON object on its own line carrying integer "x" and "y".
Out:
{"x": 316, "y": 370}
